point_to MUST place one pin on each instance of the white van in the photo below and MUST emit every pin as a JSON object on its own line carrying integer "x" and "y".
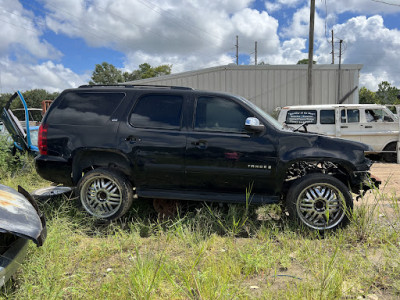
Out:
{"x": 372, "y": 124}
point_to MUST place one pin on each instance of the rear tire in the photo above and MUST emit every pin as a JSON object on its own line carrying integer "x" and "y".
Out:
{"x": 105, "y": 194}
{"x": 390, "y": 157}
{"x": 319, "y": 201}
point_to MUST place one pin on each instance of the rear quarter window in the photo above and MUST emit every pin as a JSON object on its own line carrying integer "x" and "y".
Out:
{"x": 83, "y": 108}
{"x": 301, "y": 116}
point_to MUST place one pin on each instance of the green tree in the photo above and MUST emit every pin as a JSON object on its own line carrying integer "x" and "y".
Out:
{"x": 387, "y": 94}
{"x": 305, "y": 62}
{"x": 366, "y": 96}
{"x": 33, "y": 98}
{"x": 147, "y": 71}
{"x": 106, "y": 74}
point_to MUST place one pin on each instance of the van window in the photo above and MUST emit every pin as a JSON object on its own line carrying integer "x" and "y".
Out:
{"x": 301, "y": 116}
{"x": 350, "y": 116}
{"x": 327, "y": 116}
{"x": 377, "y": 115}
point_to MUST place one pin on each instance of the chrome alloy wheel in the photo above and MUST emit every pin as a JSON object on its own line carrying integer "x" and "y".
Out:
{"x": 101, "y": 196}
{"x": 321, "y": 206}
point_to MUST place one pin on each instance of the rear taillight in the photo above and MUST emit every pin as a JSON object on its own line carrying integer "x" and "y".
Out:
{"x": 42, "y": 139}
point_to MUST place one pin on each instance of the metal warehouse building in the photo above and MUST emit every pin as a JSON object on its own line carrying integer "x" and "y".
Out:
{"x": 271, "y": 86}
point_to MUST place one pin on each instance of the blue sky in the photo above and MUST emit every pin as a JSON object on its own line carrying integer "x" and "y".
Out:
{"x": 55, "y": 44}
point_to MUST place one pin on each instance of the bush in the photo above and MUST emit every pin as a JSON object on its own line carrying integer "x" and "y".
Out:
{"x": 12, "y": 165}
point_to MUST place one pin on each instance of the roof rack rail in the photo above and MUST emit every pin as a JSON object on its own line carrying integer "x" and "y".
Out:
{"x": 172, "y": 87}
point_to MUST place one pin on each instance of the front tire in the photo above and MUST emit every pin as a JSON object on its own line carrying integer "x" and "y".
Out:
{"x": 105, "y": 194}
{"x": 319, "y": 201}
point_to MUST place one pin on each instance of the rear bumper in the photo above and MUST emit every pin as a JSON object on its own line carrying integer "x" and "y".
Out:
{"x": 54, "y": 169}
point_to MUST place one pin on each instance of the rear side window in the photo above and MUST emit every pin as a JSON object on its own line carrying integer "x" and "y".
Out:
{"x": 157, "y": 111}
{"x": 301, "y": 116}
{"x": 327, "y": 116}
{"x": 81, "y": 108}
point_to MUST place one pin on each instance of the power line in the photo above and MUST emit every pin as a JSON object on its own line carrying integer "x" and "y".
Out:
{"x": 384, "y": 2}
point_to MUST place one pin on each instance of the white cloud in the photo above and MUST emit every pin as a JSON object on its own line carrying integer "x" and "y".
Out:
{"x": 281, "y": 4}
{"x": 290, "y": 52}
{"x": 20, "y": 36}
{"x": 168, "y": 29}
{"x": 367, "y": 41}
{"x": 358, "y": 6}
{"x": 299, "y": 26}
{"x": 49, "y": 76}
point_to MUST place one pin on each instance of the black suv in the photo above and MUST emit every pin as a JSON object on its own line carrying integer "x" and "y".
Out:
{"x": 117, "y": 143}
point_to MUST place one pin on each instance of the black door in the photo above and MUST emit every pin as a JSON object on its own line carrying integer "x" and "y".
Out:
{"x": 154, "y": 141}
{"x": 221, "y": 156}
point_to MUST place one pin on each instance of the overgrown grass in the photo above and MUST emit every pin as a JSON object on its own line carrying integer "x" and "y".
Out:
{"x": 210, "y": 252}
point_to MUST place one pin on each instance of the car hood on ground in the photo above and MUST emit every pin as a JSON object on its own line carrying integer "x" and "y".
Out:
{"x": 19, "y": 215}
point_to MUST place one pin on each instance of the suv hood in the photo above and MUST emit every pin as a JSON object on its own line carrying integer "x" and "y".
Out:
{"x": 19, "y": 215}
{"x": 308, "y": 146}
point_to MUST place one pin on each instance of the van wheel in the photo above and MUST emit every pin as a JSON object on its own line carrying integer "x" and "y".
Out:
{"x": 319, "y": 201}
{"x": 105, "y": 194}
{"x": 390, "y": 157}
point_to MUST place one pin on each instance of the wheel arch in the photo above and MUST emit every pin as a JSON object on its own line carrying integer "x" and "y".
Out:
{"x": 87, "y": 160}
{"x": 297, "y": 169}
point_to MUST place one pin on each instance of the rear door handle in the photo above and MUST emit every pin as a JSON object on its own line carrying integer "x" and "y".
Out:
{"x": 368, "y": 126}
{"x": 201, "y": 144}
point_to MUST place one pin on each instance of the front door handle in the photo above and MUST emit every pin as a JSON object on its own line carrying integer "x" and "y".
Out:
{"x": 344, "y": 126}
{"x": 201, "y": 144}
{"x": 368, "y": 126}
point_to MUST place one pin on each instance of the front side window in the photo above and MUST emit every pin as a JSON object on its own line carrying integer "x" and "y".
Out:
{"x": 378, "y": 115}
{"x": 350, "y": 116}
{"x": 220, "y": 114}
{"x": 301, "y": 116}
{"x": 157, "y": 111}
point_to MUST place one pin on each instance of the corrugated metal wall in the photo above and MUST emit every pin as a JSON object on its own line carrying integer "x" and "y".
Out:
{"x": 270, "y": 86}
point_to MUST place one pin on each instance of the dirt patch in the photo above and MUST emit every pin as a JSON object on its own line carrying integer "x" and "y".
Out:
{"x": 389, "y": 174}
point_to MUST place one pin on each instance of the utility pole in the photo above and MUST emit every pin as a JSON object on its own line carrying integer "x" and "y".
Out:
{"x": 340, "y": 66}
{"x": 237, "y": 50}
{"x": 255, "y": 54}
{"x": 333, "y": 50}
{"x": 310, "y": 52}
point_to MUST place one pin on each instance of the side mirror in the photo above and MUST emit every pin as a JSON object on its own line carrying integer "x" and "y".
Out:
{"x": 253, "y": 124}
